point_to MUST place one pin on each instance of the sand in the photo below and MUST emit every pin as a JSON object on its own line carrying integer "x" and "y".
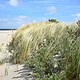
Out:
{"x": 5, "y": 38}
{"x": 9, "y": 71}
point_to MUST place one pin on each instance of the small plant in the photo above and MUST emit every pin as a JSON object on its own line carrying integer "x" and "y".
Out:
{"x": 0, "y": 49}
{"x": 53, "y": 20}
{"x": 1, "y": 62}
{"x": 78, "y": 23}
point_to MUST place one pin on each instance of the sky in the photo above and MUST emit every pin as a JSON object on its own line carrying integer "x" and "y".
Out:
{"x": 14, "y": 13}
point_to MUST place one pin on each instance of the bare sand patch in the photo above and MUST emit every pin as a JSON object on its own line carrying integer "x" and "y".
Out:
{"x": 7, "y": 70}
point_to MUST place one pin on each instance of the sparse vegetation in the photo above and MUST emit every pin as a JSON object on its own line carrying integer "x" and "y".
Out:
{"x": 0, "y": 49}
{"x": 53, "y": 20}
{"x": 51, "y": 50}
{"x": 2, "y": 61}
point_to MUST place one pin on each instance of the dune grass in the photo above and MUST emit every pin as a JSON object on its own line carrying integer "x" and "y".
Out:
{"x": 52, "y": 50}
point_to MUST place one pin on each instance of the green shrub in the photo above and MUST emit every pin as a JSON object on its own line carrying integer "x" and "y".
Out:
{"x": 53, "y": 20}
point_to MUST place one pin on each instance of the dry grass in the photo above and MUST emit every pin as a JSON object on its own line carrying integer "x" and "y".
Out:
{"x": 28, "y": 37}
{"x": 39, "y": 42}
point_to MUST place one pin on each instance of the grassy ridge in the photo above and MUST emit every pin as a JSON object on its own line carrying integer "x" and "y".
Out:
{"x": 31, "y": 35}
{"x": 52, "y": 50}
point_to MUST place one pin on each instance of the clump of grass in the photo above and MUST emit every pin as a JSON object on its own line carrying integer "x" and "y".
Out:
{"x": 2, "y": 62}
{"x": 0, "y": 49}
{"x": 52, "y": 50}
{"x": 28, "y": 37}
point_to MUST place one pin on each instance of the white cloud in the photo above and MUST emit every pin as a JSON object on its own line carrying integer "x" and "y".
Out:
{"x": 15, "y": 21}
{"x": 77, "y": 15}
{"x": 13, "y": 3}
{"x": 3, "y": 19}
{"x": 34, "y": 21}
{"x": 51, "y": 10}
{"x": 20, "y": 18}
{"x": 3, "y": 22}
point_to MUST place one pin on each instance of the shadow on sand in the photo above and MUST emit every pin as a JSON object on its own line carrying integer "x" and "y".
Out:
{"x": 25, "y": 73}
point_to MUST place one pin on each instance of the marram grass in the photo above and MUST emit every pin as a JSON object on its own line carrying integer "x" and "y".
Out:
{"x": 28, "y": 37}
{"x": 52, "y": 50}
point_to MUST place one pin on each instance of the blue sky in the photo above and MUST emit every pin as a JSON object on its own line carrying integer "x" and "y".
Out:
{"x": 14, "y": 13}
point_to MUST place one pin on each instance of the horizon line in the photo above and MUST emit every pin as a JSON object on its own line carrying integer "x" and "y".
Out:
{"x": 8, "y": 29}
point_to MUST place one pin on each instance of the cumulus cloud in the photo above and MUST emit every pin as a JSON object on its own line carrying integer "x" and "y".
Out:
{"x": 13, "y": 3}
{"x": 51, "y": 10}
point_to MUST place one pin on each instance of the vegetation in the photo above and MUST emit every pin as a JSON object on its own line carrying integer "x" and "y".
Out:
{"x": 53, "y": 20}
{"x": 2, "y": 61}
{"x": 52, "y": 50}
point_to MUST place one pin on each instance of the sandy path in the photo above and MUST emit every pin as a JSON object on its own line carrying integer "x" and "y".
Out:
{"x": 7, "y": 70}
{"x": 15, "y": 72}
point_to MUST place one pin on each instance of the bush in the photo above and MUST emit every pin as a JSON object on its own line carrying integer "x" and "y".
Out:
{"x": 53, "y": 20}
